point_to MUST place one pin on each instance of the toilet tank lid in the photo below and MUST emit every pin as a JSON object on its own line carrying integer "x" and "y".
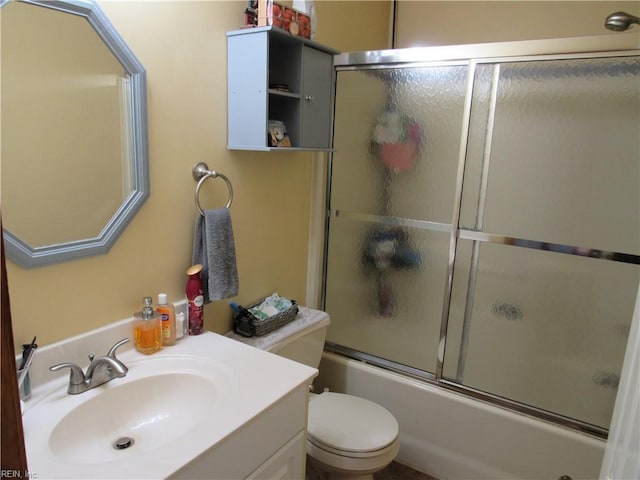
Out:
{"x": 306, "y": 321}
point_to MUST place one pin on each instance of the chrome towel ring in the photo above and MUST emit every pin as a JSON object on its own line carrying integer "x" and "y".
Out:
{"x": 201, "y": 173}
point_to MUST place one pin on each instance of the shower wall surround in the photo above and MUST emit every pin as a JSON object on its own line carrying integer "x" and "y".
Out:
{"x": 484, "y": 221}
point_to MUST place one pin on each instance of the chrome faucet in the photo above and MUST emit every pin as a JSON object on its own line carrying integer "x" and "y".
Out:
{"x": 101, "y": 370}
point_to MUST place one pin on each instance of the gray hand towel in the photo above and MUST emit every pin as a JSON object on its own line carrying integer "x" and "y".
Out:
{"x": 214, "y": 248}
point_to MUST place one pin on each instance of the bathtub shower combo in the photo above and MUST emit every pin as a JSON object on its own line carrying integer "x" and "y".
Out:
{"x": 483, "y": 228}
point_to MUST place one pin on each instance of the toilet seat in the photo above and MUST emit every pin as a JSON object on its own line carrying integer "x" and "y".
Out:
{"x": 350, "y": 426}
{"x": 350, "y": 465}
{"x": 352, "y": 455}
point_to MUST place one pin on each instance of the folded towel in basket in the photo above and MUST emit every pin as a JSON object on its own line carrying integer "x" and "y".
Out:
{"x": 214, "y": 248}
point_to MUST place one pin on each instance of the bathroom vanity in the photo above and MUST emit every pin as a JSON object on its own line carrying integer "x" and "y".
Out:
{"x": 208, "y": 407}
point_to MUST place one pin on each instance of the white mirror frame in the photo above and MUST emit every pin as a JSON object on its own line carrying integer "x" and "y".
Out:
{"x": 30, "y": 257}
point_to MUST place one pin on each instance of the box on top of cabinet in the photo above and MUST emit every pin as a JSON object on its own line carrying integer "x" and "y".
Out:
{"x": 272, "y": 13}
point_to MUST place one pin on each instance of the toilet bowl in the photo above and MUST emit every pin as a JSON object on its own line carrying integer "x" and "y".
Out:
{"x": 348, "y": 437}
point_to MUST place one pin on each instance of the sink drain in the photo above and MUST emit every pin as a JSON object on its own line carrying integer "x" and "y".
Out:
{"x": 123, "y": 443}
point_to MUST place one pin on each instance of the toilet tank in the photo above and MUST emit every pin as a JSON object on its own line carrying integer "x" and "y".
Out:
{"x": 304, "y": 340}
{"x": 301, "y": 340}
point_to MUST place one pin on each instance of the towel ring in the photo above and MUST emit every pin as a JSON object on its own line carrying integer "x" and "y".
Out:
{"x": 201, "y": 173}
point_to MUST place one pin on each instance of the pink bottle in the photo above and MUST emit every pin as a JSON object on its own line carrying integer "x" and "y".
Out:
{"x": 195, "y": 300}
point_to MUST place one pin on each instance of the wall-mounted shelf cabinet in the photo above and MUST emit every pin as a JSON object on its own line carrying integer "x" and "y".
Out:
{"x": 273, "y": 75}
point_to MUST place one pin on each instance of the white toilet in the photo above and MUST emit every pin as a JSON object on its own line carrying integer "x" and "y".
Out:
{"x": 348, "y": 437}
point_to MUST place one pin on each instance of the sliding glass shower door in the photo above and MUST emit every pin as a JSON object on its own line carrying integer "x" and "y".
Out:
{"x": 484, "y": 226}
{"x": 545, "y": 279}
{"x": 397, "y": 142}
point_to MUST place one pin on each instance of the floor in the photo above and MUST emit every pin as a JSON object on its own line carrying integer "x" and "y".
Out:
{"x": 395, "y": 471}
{"x": 398, "y": 471}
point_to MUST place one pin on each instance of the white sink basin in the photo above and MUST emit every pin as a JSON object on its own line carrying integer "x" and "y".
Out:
{"x": 163, "y": 400}
{"x": 178, "y": 406}
{"x": 135, "y": 416}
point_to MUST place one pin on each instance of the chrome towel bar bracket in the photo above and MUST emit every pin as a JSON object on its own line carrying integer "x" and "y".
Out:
{"x": 201, "y": 173}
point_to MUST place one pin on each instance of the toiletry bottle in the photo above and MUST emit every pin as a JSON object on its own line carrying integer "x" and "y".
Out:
{"x": 181, "y": 325}
{"x": 147, "y": 329}
{"x": 195, "y": 300}
{"x": 168, "y": 316}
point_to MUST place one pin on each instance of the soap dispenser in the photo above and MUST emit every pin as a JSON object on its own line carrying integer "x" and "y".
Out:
{"x": 147, "y": 329}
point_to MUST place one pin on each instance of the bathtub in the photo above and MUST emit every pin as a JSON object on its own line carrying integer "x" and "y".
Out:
{"x": 451, "y": 436}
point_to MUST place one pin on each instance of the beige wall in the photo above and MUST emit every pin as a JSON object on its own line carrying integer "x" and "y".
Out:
{"x": 183, "y": 47}
{"x": 427, "y": 23}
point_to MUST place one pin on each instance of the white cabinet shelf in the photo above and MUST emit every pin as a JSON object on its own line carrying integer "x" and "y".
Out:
{"x": 272, "y": 75}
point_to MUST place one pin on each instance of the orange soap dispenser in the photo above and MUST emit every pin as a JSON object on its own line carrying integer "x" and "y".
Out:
{"x": 147, "y": 329}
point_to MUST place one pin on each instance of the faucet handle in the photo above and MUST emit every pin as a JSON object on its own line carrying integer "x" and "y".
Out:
{"x": 112, "y": 350}
{"x": 76, "y": 375}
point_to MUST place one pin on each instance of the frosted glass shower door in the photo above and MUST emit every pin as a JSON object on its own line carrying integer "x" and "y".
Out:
{"x": 393, "y": 178}
{"x": 546, "y": 267}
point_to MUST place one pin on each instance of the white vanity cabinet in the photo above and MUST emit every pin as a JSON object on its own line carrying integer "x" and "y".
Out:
{"x": 286, "y": 463}
{"x": 215, "y": 409}
{"x": 273, "y": 75}
{"x": 272, "y": 445}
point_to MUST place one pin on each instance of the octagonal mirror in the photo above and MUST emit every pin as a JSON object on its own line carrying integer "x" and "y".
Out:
{"x": 74, "y": 131}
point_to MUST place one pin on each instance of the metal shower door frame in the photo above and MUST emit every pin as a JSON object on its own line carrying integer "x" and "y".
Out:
{"x": 472, "y": 56}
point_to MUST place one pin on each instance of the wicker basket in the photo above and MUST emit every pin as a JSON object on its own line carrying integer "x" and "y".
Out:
{"x": 248, "y": 325}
